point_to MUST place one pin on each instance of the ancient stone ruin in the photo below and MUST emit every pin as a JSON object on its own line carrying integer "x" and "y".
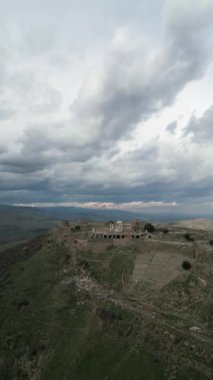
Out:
{"x": 118, "y": 230}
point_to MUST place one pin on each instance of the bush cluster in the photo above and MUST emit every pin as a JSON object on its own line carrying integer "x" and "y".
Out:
{"x": 186, "y": 265}
{"x": 149, "y": 227}
{"x": 188, "y": 237}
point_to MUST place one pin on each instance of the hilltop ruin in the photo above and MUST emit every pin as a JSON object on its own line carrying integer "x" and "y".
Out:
{"x": 118, "y": 230}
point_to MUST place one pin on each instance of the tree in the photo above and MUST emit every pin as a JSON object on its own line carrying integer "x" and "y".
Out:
{"x": 186, "y": 265}
{"x": 149, "y": 227}
{"x": 165, "y": 230}
{"x": 188, "y": 237}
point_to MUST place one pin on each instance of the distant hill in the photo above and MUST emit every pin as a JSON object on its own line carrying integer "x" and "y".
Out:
{"x": 76, "y": 213}
{"x": 197, "y": 224}
{"x": 20, "y": 223}
{"x": 102, "y": 215}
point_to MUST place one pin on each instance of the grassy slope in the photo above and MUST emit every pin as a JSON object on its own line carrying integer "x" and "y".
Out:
{"x": 52, "y": 329}
{"x": 5, "y": 246}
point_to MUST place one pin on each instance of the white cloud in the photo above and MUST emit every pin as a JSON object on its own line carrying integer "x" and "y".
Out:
{"x": 104, "y": 205}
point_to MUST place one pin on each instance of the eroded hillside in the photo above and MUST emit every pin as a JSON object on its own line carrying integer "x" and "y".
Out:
{"x": 81, "y": 309}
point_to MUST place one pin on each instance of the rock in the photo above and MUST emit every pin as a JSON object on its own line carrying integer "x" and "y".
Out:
{"x": 202, "y": 282}
{"x": 195, "y": 329}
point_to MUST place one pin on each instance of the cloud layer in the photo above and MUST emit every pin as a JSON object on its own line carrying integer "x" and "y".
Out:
{"x": 76, "y": 116}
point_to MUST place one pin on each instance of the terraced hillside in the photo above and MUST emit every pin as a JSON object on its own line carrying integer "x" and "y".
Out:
{"x": 78, "y": 309}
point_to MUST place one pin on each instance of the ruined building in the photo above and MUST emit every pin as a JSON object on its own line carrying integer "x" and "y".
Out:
{"x": 118, "y": 230}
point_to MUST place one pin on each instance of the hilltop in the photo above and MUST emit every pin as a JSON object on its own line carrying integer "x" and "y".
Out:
{"x": 75, "y": 308}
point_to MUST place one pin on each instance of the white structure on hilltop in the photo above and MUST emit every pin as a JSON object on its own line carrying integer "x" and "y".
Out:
{"x": 111, "y": 226}
{"x": 118, "y": 226}
{"x": 117, "y": 230}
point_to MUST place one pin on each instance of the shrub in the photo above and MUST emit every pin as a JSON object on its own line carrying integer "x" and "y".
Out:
{"x": 22, "y": 303}
{"x": 108, "y": 316}
{"x": 188, "y": 237}
{"x": 211, "y": 242}
{"x": 149, "y": 227}
{"x": 77, "y": 228}
{"x": 83, "y": 264}
{"x": 186, "y": 265}
{"x": 165, "y": 230}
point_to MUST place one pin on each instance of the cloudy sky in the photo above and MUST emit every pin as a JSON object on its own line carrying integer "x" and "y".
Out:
{"x": 107, "y": 102}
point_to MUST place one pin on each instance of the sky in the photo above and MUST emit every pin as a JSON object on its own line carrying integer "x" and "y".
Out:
{"x": 107, "y": 104}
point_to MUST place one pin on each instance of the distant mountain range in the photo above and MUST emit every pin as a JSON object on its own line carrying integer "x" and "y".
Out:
{"x": 19, "y": 223}
{"x": 78, "y": 213}
{"x": 101, "y": 215}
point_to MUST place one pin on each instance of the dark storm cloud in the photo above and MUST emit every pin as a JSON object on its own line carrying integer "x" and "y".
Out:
{"x": 201, "y": 129}
{"x": 21, "y": 165}
{"x": 20, "y": 181}
{"x": 3, "y": 149}
{"x": 134, "y": 86}
{"x": 59, "y": 155}
{"x": 52, "y": 144}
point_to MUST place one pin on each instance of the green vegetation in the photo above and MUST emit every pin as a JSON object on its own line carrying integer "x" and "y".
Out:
{"x": 165, "y": 230}
{"x": 78, "y": 310}
{"x": 114, "y": 268}
{"x": 186, "y": 265}
{"x": 52, "y": 328}
{"x": 11, "y": 245}
{"x": 149, "y": 227}
{"x": 188, "y": 237}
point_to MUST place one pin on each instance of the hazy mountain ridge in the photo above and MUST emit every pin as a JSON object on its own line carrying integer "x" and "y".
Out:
{"x": 20, "y": 223}
{"x": 199, "y": 224}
